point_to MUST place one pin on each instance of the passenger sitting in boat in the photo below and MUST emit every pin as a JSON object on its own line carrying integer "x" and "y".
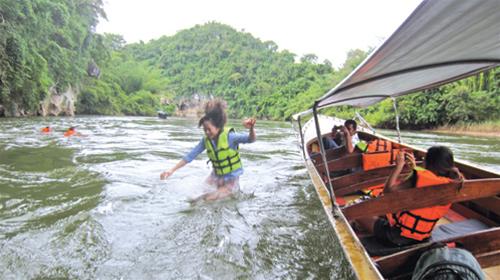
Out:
{"x": 351, "y": 138}
{"x": 413, "y": 226}
{"x": 334, "y": 140}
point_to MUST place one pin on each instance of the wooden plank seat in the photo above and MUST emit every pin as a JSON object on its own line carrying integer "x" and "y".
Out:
{"x": 430, "y": 196}
{"x": 360, "y": 180}
{"x": 346, "y": 162}
{"x": 371, "y": 178}
{"x": 331, "y": 154}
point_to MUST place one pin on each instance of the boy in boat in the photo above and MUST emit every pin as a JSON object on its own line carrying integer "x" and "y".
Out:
{"x": 414, "y": 226}
{"x": 221, "y": 144}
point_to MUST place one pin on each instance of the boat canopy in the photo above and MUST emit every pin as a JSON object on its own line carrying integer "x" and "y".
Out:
{"x": 440, "y": 42}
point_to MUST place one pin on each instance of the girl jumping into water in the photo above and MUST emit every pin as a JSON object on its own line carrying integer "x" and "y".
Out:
{"x": 222, "y": 145}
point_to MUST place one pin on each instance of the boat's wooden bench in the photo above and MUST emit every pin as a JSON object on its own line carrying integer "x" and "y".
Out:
{"x": 430, "y": 196}
{"x": 484, "y": 244}
{"x": 348, "y": 161}
{"x": 330, "y": 154}
{"x": 356, "y": 181}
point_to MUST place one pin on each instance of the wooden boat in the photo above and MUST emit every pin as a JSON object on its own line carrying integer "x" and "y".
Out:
{"x": 441, "y": 41}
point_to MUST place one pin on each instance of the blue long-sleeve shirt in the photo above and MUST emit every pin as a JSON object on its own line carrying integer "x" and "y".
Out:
{"x": 234, "y": 139}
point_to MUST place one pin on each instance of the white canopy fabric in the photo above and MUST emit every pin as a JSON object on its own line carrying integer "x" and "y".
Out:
{"x": 440, "y": 42}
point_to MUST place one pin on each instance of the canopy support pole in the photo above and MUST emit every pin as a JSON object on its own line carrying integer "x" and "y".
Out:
{"x": 362, "y": 120}
{"x": 397, "y": 118}
{"x": 303, "y": 147}
{"x": 323, "y": 156}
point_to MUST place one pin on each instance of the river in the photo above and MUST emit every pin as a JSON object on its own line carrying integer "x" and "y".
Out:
{"x": 93, "y": 207}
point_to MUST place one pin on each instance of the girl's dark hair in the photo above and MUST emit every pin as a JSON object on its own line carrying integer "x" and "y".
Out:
{"x": 215, "y": 113}
{"x": 439, "y": 159}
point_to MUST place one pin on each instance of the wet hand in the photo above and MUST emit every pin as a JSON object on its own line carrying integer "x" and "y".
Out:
{"x": 249, "y": 123}
{"x": 166, "y": 174}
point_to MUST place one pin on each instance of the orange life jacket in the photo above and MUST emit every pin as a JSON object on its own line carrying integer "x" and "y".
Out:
{"x": 69, "y": 133}
{"x": 374, "y": 191}
{"x": 375, "y": 160}
{"x": 379, "y": 145}
{"x": 418, "y": 223}
{"x": 46, "y": 129}
{"x": 378, "y": 159}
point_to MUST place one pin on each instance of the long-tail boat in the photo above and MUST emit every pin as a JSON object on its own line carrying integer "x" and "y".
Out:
{"x": 440, "y": 42}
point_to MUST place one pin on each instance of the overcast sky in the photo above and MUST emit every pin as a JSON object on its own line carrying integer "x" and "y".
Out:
{"x": 327, "y": 28}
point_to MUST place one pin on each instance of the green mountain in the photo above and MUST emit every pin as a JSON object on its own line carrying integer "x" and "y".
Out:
{"x": 51, "y": 57}
{"x": 215, "y": 60}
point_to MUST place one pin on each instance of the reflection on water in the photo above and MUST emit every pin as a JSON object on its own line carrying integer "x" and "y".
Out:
{"x": 94, "y": 207}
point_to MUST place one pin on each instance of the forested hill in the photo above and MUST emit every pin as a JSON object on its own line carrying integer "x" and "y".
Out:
{"x": 216, "y": 60}
{"x": 258, "y": 79}
{"x": 51, "y": 57}
{"x": 44, "y": 44}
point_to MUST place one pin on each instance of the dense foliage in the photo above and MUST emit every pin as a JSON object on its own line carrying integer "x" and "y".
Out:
{"x": 50, "y": 44}
{"x": 43, "y": 44}
{"x": 472, "y": 100}
{"x": 216, "y": 60}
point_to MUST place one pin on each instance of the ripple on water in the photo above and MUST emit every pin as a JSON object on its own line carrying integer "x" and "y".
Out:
{"x": 37, "y": 159}
{"x": 94, "y": 208}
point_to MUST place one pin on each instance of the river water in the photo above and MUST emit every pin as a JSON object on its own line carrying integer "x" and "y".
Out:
{"x": 93, "y": 207}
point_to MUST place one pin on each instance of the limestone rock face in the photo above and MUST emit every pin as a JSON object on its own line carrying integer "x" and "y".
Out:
{"x": 59, "y": 104}
{"x": 54, "y": 104}
{"x": 13, "y": 111}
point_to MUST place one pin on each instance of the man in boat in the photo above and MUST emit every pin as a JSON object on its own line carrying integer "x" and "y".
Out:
{"x": 350, "y": 135}
{"x": 345, "y": 134}
{"x": 222, "y": 145}
{"x": 414, "y": 226}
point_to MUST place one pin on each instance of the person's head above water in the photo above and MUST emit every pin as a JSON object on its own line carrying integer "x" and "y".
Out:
{"x": 214, "y": 119}
{"x": 439, "y": 160}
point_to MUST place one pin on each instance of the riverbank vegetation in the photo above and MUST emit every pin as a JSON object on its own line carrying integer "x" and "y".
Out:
{"x": 52, "y": 44}
{"x": 486, "y": 128}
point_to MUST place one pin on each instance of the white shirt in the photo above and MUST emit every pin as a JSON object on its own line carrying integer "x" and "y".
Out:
{"x": 354, "y": 140}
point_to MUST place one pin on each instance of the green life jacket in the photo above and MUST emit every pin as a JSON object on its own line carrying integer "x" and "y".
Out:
{"x": 362, "y": 146}
{"x": 224, "y": 159}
